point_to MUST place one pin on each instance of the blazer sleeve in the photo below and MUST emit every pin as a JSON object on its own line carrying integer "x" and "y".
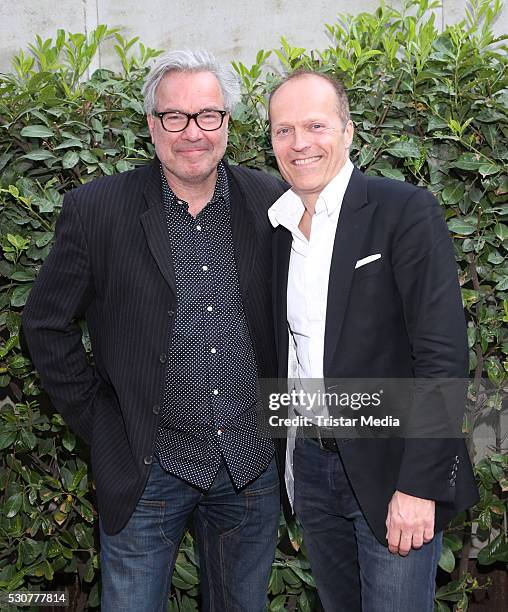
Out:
{"x": 426, "y": 275}
{"x": 60, "y": 296}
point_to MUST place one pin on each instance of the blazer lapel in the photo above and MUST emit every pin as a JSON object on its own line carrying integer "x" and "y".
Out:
{"x": 244, "y": 234}
{"x": 354, "y": 219}
{"x": 282, "y": 254}
{"x": 154, "y": 225}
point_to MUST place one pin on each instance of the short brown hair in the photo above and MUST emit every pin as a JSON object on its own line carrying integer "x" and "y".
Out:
{"x": 338, "y": 87}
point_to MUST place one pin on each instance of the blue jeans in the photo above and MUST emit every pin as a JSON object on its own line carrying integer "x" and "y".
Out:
{"x": 353, "y": 571}
{"x": 236, "y": 533}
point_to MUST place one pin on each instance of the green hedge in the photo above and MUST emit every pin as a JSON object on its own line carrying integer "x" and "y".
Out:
{"x": 429, "y": 108}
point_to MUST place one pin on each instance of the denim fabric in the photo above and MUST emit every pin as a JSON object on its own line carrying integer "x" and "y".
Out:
{"x": 354, "y": 572}
{"x": 236, "y": 533}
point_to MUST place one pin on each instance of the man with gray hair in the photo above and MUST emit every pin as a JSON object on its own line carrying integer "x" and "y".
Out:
{"x": 170, "y": 264}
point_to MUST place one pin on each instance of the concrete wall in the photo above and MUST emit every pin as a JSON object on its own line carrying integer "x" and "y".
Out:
{"x": 233, "y": 30}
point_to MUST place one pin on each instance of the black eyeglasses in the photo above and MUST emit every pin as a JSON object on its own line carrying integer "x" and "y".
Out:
{"x": 177, "y": 121}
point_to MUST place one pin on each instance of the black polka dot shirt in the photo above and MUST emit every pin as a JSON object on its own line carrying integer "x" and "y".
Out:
{"x": 209, "y": 410}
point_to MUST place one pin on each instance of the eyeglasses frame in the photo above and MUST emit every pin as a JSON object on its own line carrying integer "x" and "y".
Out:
{"x": 190, "y": 116}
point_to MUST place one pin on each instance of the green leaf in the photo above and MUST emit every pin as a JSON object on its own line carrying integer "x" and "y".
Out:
{"x": 69, "y": 442}
{"x": 59, "y": 517}
{"x": 38, "y": 155}
{"x": 278, "y": 604}
{"x": 88, "y": 157}
{"x": 37, "y": 131}
{"x": 48, "y": 571}
{"x": 7, "y": 438}
{"x": 28, "y": 439}
{"x": 436, "y": 123}
{"x": 23, "y": 275}
{"x": 501, "y": 231}
{"x": 304, "y": 603}
{"x": 392, "y": 173}
{"x": 305, "y": 576}
{"x": 462, "y": 225}
{"x": 470, "y": 297}
{"x": 404, "y": 149}
{"x": 453, "y": 193}
{"x": 495, "y": 551}
{"x": 187, "y": 572}
{"x": 502, "y": 283}
{"x": 78, "y": 477}
{"x": 20, "y": 295}
{"x": 17, "y": 241}
{"x": 13, "y": 505}
{"x": 367, "y": 154}
{"x": 89, "y": 572}
{"x": 70, "y": 159}
{"x": 489, "y": 115}
{"x": 453, "y": 541}
{"x": 447, "y": 559}
{"x": 495, "y": 258}
{"x": 67, "y": 144}
{"x": 468, "y": 161}
{"x": 487, "y": 169}
{"x": 44, "y": 238}
{"x": 94, "y": 597}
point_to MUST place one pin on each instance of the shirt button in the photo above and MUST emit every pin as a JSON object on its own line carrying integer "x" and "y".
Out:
{"x": 219, "y": 432}
{"x": 210, "y": 308}
{"x": 156, "y": 409}
{"x": 204, "y": 268}
{"x": 198, "y": 227}
{"x": 148, "y": 460}
{"x": 162, "y": 357}
{"x": 216, "y": 392}
{"x": 213, "y": 350}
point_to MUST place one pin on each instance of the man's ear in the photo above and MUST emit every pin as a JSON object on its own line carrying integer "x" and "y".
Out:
{"x": 150, "y": 119}
{"x": 349, "y": 132}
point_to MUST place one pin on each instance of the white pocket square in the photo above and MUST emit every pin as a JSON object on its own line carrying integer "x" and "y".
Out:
{"x": 367, "y": 260}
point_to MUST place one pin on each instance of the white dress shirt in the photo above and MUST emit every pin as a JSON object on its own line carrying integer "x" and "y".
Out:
{"x": 307, "y": 292}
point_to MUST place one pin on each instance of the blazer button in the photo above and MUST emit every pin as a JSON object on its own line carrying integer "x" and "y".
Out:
{"x": 148, "y": 460}
{"x": 171, "y": 312}
{"x": 156, "y": 409}
{"x": 162, "y": 357}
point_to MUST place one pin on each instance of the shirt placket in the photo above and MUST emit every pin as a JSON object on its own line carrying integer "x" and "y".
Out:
{"x": 208, "y": 269}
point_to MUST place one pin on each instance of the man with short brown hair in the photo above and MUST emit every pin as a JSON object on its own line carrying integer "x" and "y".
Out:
{"x": 366, "y": 282}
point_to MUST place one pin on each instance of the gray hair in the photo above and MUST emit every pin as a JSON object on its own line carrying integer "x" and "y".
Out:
{"x": 190, "y": 61}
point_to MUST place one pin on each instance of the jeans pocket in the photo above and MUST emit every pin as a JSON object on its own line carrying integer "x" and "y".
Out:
{"x": 265, "y": 482}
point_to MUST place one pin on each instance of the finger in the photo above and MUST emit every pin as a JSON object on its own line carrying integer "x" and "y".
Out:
{"x": 393, "y": 537}
{"x": 418, "y": 538}
{"x": 405, "y": 543}
{"x": 428, "y": 534}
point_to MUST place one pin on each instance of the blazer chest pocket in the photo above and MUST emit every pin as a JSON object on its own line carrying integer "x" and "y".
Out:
{"x": 369, "y": 269}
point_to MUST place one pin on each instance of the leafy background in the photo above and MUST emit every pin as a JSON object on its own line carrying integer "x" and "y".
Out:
{"x": 429, "y": 107}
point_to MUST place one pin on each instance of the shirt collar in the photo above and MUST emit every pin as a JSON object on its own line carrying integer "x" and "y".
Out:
{"x": 288, "y": 209}
{"x": 221, "y": 191}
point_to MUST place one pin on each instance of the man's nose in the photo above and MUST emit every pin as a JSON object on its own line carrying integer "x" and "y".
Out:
{"x": 192, "y": 131}
{"x": 300, "y": 139}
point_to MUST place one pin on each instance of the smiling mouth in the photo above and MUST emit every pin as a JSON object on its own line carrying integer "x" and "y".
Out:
{"x": 306, "y": 161}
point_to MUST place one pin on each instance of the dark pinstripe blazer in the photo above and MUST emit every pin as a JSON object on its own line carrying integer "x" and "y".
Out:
{"x": 111, "y": 263}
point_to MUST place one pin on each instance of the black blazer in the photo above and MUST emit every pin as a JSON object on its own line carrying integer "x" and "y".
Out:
{"x": 111, "y": 262}
{"x": 400, "y": 316}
